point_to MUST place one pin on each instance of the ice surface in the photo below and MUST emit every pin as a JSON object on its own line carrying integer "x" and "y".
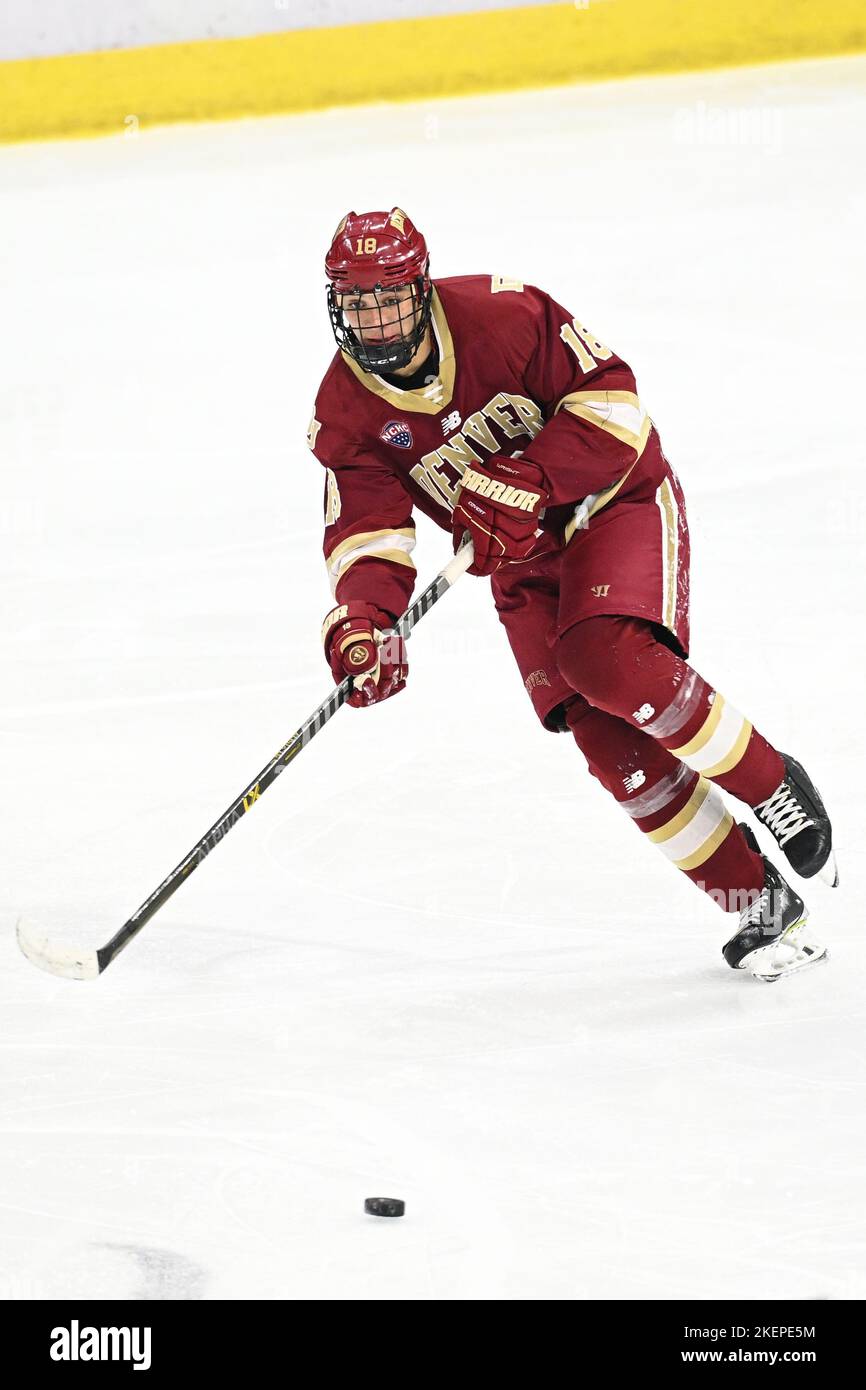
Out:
{"x": 414, "y": 971}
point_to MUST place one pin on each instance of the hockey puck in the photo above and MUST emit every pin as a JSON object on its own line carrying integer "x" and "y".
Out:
{"x": 384, "y": 1206}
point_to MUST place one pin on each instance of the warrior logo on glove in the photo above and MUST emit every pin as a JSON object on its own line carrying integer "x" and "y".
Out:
{"x": 499, "y": 504}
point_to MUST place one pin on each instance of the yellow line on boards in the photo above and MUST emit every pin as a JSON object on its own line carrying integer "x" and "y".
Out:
{"x": 411, "y": 59}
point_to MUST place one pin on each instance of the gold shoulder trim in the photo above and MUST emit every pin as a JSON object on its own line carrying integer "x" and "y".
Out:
{"x": 619, "y": 413}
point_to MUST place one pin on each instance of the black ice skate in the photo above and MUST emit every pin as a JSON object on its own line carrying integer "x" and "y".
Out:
{"x": 773, "y": 939}
{"x": 795, "y": 815}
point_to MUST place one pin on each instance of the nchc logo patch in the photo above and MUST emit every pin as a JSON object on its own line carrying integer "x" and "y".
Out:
{"x": 397, "y": 432}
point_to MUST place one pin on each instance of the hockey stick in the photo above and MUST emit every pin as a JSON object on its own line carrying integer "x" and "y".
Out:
{"x": 75, "y": 964}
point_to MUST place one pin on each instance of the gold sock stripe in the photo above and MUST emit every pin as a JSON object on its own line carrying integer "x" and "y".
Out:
{"x": 724, "y": 746}
{"x": 726, "y": 764}
{"x": 306, "y": 69}
{"x": 683, "y": 817}
{"x": 705, "y": 732}
{"x": 690, "y": 837}
{"x": 710, "y": 845}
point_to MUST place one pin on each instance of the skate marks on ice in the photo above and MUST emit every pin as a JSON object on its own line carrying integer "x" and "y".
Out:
{"x": 162, "y": 1273}
{"x": 107, "y": 1270}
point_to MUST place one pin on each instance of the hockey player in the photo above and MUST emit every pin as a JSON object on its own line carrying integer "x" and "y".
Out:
{"x": 484, "y": 403}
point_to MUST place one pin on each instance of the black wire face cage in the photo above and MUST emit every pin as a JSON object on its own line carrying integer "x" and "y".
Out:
{"x": 369, "y": 344}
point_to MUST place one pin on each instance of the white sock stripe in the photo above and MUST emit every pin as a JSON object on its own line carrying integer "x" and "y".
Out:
{"x": 679, "y": 711}
{"x": 721, "y": 741}
{"x": 707, "y": 819}
{"x": 654, "y": 798}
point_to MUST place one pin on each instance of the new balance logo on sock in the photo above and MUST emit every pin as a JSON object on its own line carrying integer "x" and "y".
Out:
{"x": 634, "y": 781}
{"x": 76, "y": 1343}
{"x": 640, "y": 716}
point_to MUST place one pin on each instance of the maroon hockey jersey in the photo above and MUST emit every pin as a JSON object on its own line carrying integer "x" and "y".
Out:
{"x": 517, "y": 374}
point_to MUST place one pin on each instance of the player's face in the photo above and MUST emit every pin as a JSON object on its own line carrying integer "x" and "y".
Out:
{"x": 382, "y": 316}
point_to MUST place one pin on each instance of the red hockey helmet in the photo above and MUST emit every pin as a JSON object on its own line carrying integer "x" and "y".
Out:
{"x": 379, "y": 290}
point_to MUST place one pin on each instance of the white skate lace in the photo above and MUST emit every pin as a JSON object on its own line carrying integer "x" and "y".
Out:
{"x": 783, "y": 813}
{"x": 754, "y": 914}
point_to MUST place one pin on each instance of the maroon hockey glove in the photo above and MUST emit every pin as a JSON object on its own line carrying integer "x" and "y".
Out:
{"x": 351, "y": 635}
{"x": 498, "y": 504}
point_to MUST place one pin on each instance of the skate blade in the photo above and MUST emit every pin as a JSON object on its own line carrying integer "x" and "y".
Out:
{"x": 796, "y": 951}
{"x": 813, "y": 955}
{"x": 830, "y": 872}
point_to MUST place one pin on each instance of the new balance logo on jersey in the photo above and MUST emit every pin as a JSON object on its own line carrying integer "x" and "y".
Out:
{"x": 397, "y": 432}
{"x": 451, "y": 422}
{"x": 636, "y": 780}
{"x": 600, "y": 590}
{"x": 640, "y": 716}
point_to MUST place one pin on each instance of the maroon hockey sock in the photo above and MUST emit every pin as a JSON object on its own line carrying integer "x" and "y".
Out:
{"x": 620, "y": 666}
{"x": 680, "y": 811}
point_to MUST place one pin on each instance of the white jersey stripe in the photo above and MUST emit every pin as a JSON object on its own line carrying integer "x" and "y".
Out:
{"x": 390, "y": 545}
